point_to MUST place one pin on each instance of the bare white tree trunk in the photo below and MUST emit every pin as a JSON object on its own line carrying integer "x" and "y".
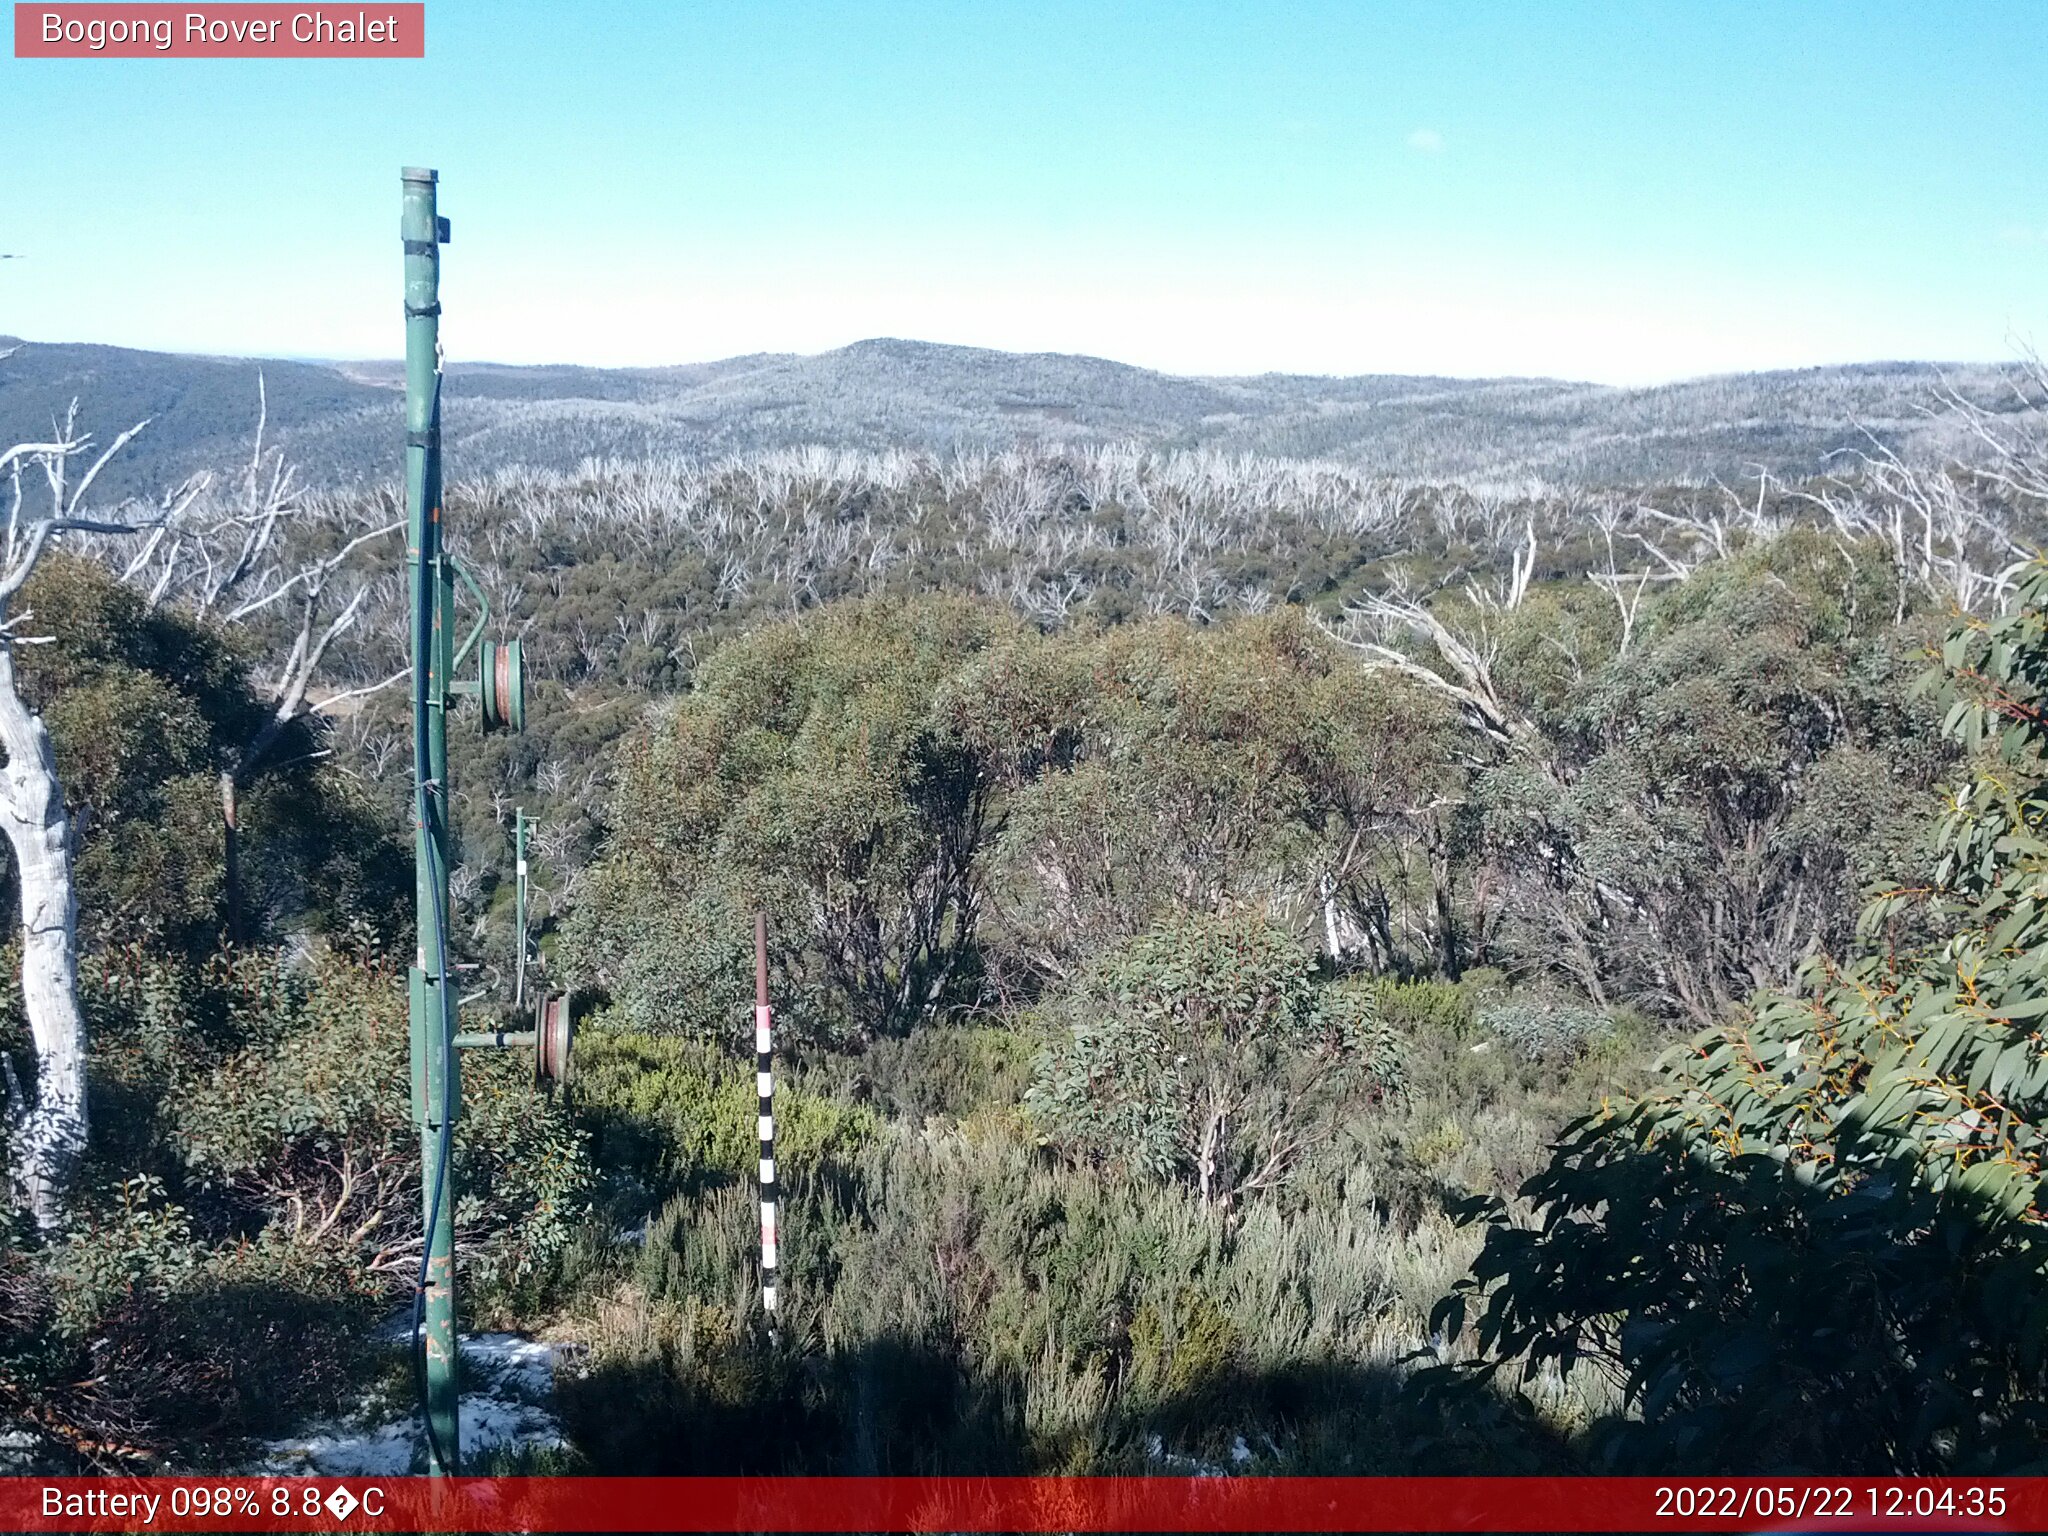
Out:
{"x": 46, "y": 1124}
{"x": 46, "y": 1130}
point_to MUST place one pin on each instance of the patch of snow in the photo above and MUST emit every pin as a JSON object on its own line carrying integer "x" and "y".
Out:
{"x": 1187, "y": 1466}
{"x": 1241, "y": 1456}
{"x": 21, "y": 1452}
{"x": 511, "y": 1381}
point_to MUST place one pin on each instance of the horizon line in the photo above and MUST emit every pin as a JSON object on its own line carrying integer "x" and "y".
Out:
{"x": 319, "y": 360}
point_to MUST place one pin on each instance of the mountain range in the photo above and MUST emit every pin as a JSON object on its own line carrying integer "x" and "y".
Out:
{"x": 341, "y": 422}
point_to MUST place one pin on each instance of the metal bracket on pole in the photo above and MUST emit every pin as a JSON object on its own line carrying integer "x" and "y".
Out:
{"x": 553, "y": 1034}
{"x": 483, "y": 608}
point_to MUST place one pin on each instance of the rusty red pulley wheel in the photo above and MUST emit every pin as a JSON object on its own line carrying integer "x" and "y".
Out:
{"x": 552, "y": 1037}
{"x": 501, "y": 686}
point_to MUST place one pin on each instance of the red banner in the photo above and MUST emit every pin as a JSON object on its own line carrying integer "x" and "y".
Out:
{"x": 1024, "y": 1504}
{"x": 360, "y": 31}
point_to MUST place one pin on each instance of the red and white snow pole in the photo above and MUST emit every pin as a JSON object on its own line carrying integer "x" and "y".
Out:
{"x": 764, "y": 1077}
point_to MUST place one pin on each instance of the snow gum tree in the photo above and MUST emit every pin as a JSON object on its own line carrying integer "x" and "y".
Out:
{"x": 46, "y": 1121}
{"x": 1821, "y": 1240}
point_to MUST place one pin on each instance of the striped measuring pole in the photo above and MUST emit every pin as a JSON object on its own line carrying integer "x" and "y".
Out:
{"x": 764, "y": 1076}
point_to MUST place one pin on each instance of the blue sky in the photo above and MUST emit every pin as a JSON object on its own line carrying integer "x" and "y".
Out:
{"x": 1618, "y": 191}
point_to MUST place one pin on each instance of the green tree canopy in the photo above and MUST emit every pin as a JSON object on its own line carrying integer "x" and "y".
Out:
{"x": 1705, "y": 805}
{"x": 938, "y": 805}
{"x": 1206, "y": 1051}
{"x": 1160, "y": 767}
{"x": 142, "y": 705}
{"x": 809, "y": 774}
{"x": 1820, "y": 1245}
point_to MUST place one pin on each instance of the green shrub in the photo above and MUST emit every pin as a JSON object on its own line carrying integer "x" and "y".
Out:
{"x": 136, "y": 1242}
{"x": 952, "y": 1070}
{"x": 1442, "y": 1141}
{"x": 132, "y": 1341}
{"x": 1183, "y": 1350}
{"x": 1164, "y": 766}
{"x": 1427, "y": 1007}
{"x": 524, "y": 1172}
{"x": 1051, "y": 1320}
{"x": 232, "y": 1281}
{"x": 1207, "y": 1052}
{"x": 265, "y": 1096}
{"x": 1547, "y": 1029}
{"x": 678, "y": 1114}
{"x": 314, "y": 1054}
{"x": 810, "y": 774}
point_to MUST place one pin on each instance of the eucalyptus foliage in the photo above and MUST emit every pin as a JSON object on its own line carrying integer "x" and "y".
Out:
{"x": 143, "y": 704}
{"x": 1706, "y": 802}
{"x": 1207, "y": 1051}
{"x": 809, "y": 774}
{"x": 1820, "y": 1244}
{"x": 1546, "y": 1028}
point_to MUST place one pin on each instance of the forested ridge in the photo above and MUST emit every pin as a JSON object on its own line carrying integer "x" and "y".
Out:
{"x": 888, "y": 394}
{"x": 1280, "y": 967}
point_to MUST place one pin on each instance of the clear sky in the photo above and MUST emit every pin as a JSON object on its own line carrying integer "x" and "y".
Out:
{"x": 1614, "y": 190}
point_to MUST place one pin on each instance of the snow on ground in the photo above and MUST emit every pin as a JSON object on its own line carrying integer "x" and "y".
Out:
{"x": 1241, "y": 1456}
{"x": 21, "y": 1452}
{"x": 509, "y": 1384}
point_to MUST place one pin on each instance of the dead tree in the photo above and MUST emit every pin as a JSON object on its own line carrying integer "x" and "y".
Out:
{"x": 1378, "y": 617}
{"x": 235, "y": 560}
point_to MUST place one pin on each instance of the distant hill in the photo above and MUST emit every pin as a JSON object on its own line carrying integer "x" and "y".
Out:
{"x": 341, "y": 421}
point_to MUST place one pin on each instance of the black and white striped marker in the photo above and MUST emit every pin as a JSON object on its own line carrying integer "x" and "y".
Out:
{"x": 764, "y": 1078}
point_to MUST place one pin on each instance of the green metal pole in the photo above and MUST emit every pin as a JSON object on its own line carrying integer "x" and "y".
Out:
{"x": 436, "y": 1089}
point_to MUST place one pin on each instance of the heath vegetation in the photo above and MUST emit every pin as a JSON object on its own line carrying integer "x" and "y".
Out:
{"x": 1280, "y": 967}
